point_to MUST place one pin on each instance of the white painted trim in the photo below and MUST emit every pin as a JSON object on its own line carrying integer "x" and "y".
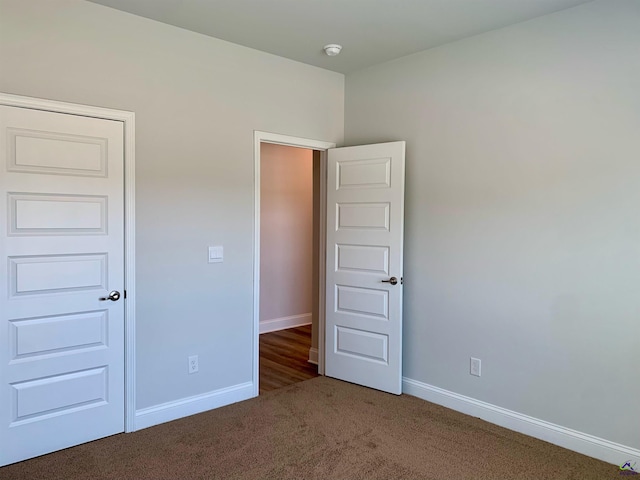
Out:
{"x": 128, "y": 119}
{"x": 322, "y": 270}
{"x": 130, "y": 273}
{"x": 275, "y": 324}
{"x": 278, "y": 139}
{"x": 166, "y": 412}
{"x": 258, "y": 138}
{"x": 584, "y": 443}
{"x": 313, "y": 356}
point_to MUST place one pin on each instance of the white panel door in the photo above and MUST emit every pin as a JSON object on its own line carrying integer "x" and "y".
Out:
{"x": 365, "y": 226}
{"x": 62, "y": 248}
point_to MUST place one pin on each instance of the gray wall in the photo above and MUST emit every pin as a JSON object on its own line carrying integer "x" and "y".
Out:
{"x": 522, "y": 212}
{"x": 286, "y": 229}
{"x": 197, "y": 102}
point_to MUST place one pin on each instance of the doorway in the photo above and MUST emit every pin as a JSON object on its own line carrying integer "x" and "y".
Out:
{"x": 288, "y": 307}
{"x": 361, "y": 257}
{"x": 289, "y": 253}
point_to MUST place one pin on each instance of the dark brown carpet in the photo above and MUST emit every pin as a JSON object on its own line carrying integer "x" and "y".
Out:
{"x": 318, "y": 429}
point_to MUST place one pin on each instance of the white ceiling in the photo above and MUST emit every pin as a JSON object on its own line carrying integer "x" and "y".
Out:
{"x": 370, "y": 31}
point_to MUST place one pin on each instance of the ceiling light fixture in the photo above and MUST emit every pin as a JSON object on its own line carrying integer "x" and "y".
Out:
{"x": 332, "y": 49}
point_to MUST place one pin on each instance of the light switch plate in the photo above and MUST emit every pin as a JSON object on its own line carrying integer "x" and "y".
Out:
{"x": 216, "y": 254}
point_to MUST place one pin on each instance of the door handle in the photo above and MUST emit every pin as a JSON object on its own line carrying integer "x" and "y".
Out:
{"x": 114, "y": 296}
{"x": 392, "y": 281}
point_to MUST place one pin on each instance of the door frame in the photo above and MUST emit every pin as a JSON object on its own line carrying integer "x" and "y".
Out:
{"x": 128, "y": 120}
{"x": 322, "y": 147}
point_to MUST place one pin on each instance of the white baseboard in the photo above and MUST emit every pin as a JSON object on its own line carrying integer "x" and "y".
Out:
{"x": 584, "y": 443}
{"x": 313, "y": 356}
{"x": 281, "y": 323}
{"x": 148, "y": 417}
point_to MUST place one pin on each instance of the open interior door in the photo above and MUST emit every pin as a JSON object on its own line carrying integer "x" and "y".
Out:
{"x": 365, "y": 226}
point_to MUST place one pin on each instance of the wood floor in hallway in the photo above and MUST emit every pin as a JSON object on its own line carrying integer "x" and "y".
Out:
{"x": 284, "y": 358}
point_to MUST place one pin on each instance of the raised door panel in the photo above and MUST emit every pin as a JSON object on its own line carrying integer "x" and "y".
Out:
{"x": 41, "y": 214}
{"x": 51, "y": 152}
{"x": 48, "y": 274}
{"x": 362, "y": 345}
{"x": 362, "y": 216}
{"x": 57, "y": 335}
{"x": 372, "y": 259}
{"x": 41, "y": 398}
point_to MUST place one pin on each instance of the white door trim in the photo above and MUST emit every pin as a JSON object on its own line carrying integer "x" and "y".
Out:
{"x": 322, "y": 146}
{"x": 128, "y": 119}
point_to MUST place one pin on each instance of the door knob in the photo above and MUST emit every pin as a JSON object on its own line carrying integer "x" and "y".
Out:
{"x": 114, "y": 296}
{"x": 392, "y": 281}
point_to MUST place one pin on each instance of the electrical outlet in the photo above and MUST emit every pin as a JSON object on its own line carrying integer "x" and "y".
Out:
{"x": 476, "y": 367}
{"x": 193, "y": 364}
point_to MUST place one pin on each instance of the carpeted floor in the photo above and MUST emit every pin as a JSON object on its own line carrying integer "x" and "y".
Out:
{"x": 318, "y": 429}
